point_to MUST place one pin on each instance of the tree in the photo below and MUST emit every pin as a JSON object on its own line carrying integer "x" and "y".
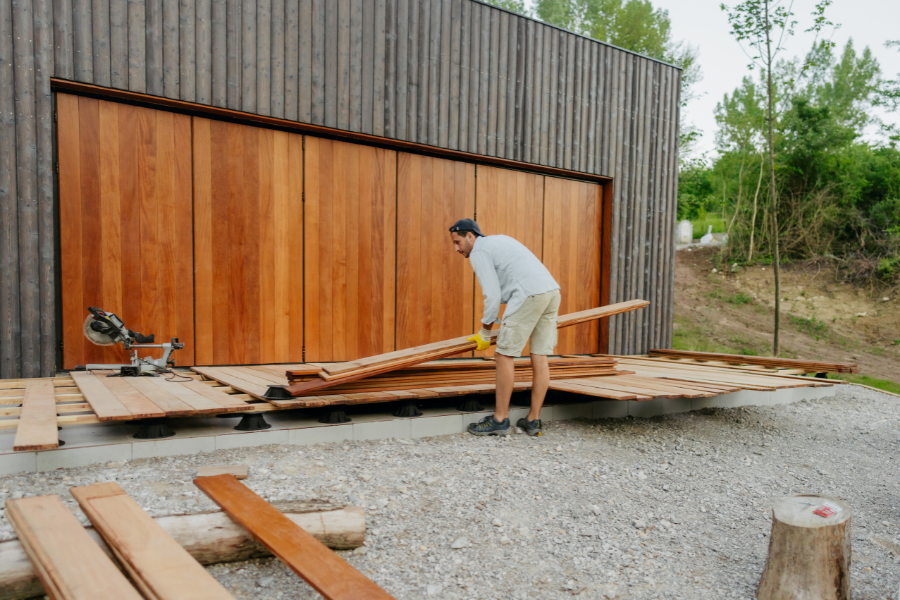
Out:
{"x": 513, "y": 5}
{"x": 763, "y": 25}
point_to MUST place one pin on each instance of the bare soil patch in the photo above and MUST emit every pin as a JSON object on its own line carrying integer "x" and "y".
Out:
{"x": 822, "y": 318}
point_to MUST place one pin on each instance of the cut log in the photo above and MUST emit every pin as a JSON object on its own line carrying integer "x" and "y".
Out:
{"x": 209, "y": 537}
{"x": 809, "y": 551}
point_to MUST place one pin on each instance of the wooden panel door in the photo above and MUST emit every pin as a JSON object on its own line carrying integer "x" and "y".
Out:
{"x": 248, "y": 231}
{"x": 434, "y": 283}
{"x": 125, "y": 224}
{"x": 508, "y": 203}
{"x": 350, "y": 250}
{"x": 572, "y": 234}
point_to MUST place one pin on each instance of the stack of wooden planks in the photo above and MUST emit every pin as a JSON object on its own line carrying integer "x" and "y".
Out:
{"x": 341, "y": 373}
{"x": 462, "y": 372}
{"x": 807, "y": 366}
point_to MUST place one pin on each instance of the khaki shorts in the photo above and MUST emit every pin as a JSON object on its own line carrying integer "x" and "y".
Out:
{"x": 535, "y": 319}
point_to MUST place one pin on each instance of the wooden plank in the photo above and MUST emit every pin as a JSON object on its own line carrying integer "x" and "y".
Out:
{"x": 218, "y": 74}
{"x": 578, "y": 387}
{"x": 264, "y": 45}
{"x": 103, "y": 402}
{"x": 237, "y": 383}
{"x": 158, "y": 565}
{"x": 321, "y": 568}
{"x": 812, "y": 366}
{"x": 172, "y": 406}
{"x": 137, "y": 403}
{"x": 202, "y": 398}
{"x": 37, "y": 421}
{"x": 68, "y": 562}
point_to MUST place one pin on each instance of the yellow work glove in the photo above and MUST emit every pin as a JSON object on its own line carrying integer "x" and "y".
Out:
{"x": 482, "y": 339}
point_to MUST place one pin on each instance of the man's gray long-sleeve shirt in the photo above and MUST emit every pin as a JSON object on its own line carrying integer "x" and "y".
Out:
{"x": 508, "y": 273}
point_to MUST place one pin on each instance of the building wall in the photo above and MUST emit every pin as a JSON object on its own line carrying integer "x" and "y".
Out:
{"x": 454, "y": 74}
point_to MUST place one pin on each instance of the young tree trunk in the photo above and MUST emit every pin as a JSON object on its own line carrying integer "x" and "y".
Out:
{"x": 762, "y": 168}
{"x": 737, "y": 205}
{"x": 772, "y": 191}
{"x": 809, "y": 554}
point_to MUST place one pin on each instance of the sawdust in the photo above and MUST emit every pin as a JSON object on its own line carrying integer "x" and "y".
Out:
{"x": 822, "y": 318}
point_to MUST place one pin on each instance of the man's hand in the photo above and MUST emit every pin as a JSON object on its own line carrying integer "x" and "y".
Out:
{"x": 482, "y": 339}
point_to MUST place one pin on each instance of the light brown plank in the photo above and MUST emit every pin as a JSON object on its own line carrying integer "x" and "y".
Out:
{"x": 325, "y": 571}
{"x": 37, "y": 421}
{"x": 172, "y": 406}
{"x": 138, "y": 404}
{"x": 103, "y": 402}
{"x": 160, "y": 567}
{"x": 70, "y": 565}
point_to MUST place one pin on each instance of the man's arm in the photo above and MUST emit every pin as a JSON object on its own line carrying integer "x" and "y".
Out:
{"x": 490, "y": 287}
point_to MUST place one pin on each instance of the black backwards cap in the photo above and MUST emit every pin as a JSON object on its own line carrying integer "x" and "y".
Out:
{"x": 466, "y": 225}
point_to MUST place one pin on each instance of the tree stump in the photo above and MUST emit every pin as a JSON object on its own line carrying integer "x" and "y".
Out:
{"x": 809, "y": 551}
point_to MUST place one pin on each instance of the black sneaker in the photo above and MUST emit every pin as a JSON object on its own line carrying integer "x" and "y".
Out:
{"x": 530, "y": 427}
{"x": 490, "y": 426}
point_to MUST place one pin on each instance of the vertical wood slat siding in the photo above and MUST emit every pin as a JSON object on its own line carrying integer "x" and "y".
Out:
{"x": 231, "y": 53}
{"x": 434, "y": 284}
{"x": 571, "y": 251}
{"x": 349, "y": 248}
{"x": 248, "y": 209}
{"x": 125, "y": 211}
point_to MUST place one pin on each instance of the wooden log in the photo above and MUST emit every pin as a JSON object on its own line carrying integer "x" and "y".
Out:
{"x": 210, "y": 537}
{"x": 809, "y": 550}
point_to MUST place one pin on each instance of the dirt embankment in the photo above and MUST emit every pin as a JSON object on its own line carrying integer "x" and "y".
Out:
{"x": 822, "y": 318}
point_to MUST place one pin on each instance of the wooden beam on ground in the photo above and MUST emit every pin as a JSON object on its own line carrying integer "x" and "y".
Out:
{"x": 810, "y": 366}
{"x": 325, "y": 571}
{"x": 160, "y": 567}
{"x": 69, "y": 564}
{"x": 37, "y": 420}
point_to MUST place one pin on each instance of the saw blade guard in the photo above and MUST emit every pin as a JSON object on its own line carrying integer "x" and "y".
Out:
{"x": 96, "y": 337}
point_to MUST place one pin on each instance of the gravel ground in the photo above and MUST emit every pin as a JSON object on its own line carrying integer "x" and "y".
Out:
{"x": 670, "y": 507}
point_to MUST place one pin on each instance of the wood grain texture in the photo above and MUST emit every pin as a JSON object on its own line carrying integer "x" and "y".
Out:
{"x": 37, "y": 421}
{"x": 66, "y": 559}
{"x": 349, "y": 250}
{"x": 125, "y": 190}
{"x": 248, "y": 205}
{"x": 434, "y": 284}
{"x": 508, "y": 203}
{"x": 572, "y": 250}
{"x": 158, "y": 565}
{"x": 103, "y": 402}
{"x": 218, "y": 53}
{"x": 325, "y": 571}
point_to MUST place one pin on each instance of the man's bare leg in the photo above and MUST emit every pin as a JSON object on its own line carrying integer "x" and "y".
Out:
{"x": 541, "y": 381}
{"x": 506, "y": 376}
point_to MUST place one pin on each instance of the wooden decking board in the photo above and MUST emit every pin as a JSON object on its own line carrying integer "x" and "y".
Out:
{"x": 271, "y": 378}
{"x": 103, "y": 402}
{"x": 247, "y": 375}
{"x": 811, "y": 366}
{"x": 228, "y": 402}
{"x": 138, "y": 404}
{"x": 574, "y": 386}
{"x": 325, "y": 571}
{"x": 199, "y": 403}
{"x": 237, "y": 383}
{"x": 663, "y": 385}
{"x": 160, "y": 567}
{"x": 608, "y": 384}
{"x": 37, "y": 429}
{"x": 786, "y": 380}
{"x": 68, "y": 562}
{"x": 167, "y": 402}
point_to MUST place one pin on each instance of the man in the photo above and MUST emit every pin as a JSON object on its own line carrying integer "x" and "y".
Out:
{"x": 510, "y": 274}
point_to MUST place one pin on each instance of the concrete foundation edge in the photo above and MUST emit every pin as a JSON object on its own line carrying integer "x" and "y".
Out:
{"x": 388, "y": 427}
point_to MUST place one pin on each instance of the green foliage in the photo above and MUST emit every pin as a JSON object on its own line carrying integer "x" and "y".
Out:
{"x": 513, "y": 5}
{"x": 838, "y": 194}
{"x": 881, "y": 384}
{"x": 739, "y": 298}
{"x": 810, "y": 326}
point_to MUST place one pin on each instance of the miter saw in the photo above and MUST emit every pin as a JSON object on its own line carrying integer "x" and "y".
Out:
{"x": 106, "y": 329}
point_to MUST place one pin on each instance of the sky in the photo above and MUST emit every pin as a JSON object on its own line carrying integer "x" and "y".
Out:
{"x": 703, "y": 24}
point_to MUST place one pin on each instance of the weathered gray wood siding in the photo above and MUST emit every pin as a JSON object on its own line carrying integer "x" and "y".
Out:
{"x": 456, "y": 74}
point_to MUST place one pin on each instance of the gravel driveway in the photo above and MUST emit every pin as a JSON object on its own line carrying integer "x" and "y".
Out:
{"x": 671, "y": 507}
